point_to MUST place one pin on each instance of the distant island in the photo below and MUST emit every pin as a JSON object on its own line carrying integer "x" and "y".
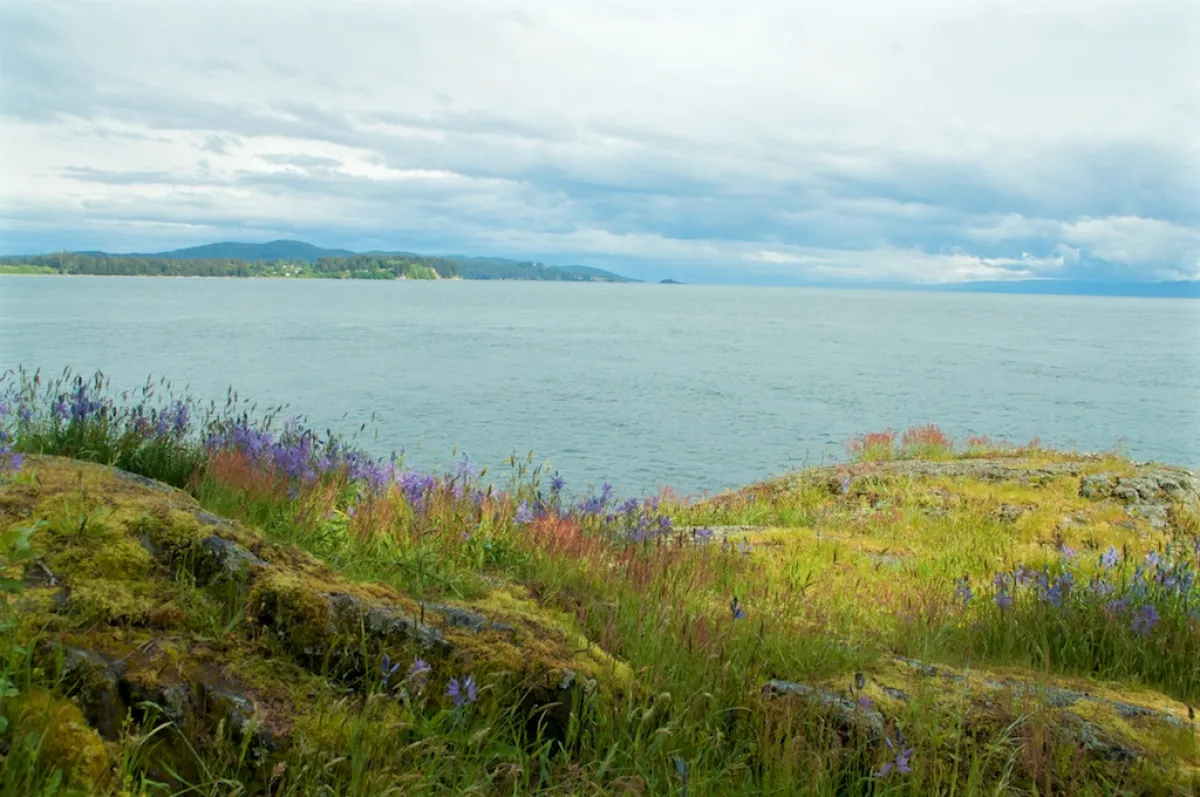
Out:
{"x": 670, "y": 282}
{"x": 296, "y": 260}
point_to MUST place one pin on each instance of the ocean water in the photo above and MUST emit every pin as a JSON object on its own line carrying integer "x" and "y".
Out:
{"x": 697, "y": 387}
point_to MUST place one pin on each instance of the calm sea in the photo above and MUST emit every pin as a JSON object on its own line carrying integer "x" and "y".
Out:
{"x": 696, "y": 387}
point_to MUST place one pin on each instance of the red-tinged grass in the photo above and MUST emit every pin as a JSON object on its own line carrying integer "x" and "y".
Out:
{"x": 873, "y": 446}
{"x": 986, "y": 447}
{"x": 926, "y": 442}
{"x": 930, "y": 442}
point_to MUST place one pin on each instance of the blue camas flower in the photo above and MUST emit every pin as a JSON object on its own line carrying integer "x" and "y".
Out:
{"x": 1144, "y": 620}
{"x": 462, "y": 692}
{"x": 962, "y": 591}
{"x": 900, "y": 763}
{"x": 387, "y": 669}
{"x": 418, "y": 675}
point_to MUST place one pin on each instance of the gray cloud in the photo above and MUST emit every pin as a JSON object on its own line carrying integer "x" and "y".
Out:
{"x": 955, "y": 140}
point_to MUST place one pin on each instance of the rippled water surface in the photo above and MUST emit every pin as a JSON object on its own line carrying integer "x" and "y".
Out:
{"x": 697, "y": 387}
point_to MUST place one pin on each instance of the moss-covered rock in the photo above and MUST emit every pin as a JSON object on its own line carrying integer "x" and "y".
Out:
{"x": 142, "y": 608}
{"x": 63, "y": 739}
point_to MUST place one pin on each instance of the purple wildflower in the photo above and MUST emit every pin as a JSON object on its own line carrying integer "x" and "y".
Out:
{"x": 744, "y": 546}
{"x": 418, "y": 675}
{"x": 1144, "y": 620}
{"x": 703, "y": 535}
{"x": 865, "y": 703}
{"x": 900, "y": 763}
{"x": 465, "y": 470}
{"x": 463, "y": 692}
{"x": 1003, "y": 599}
{"x": 387, "y": 669}
{"x": 846, "y": 486}
{"x": 524, "y": 514}
{"x": 1153, "y": 559}
{"x": 1115, "y": 607}
{"x": 1110, "y": 558}
{"x": 629, "y": 507}
{"x": 24, "y": 415}
{"x": 736, "y": 610}
{"x": 963, "y": 592}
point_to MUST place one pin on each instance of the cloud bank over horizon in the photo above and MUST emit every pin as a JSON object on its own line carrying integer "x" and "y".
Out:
{"x": 774, "y": 142}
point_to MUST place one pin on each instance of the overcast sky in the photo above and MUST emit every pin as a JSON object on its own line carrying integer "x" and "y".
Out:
{"x": 710, "y": 140}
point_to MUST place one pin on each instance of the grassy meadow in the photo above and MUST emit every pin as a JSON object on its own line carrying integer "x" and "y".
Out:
{"x": 272, "y": 611}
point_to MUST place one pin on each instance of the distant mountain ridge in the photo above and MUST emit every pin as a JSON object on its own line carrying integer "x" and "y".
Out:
{"x": 271, "y": 250}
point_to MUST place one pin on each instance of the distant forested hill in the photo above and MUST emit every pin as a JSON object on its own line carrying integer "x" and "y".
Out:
{"x": 296, "y": 259}
{"x": 272, "y": 250}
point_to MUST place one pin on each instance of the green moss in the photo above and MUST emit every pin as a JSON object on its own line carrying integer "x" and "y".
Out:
{"x": 66, "y": 743}
{"x": 176, "y": 533}
{"x": 296, "y": 609}
{"x": 119, "y": 558}
{"x": 117, "y": 602}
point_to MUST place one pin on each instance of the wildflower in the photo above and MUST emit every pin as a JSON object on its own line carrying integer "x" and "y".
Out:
{"x": 524, "y": 514}
{"x": 629, "y": 507}
{"x": 24, "y": 414}
{"x": 556, "y": 483}
{"x": 1003, "y": 599}
{"x": 1117, "y": 606}
{"x": 703, "y": 535}
{"x": 735, "y": 608}
{"x": 900, "y": 763}
{"x": 387, "y": 669}
{"x": 865, "y": 703}
{"x": 418, "y": 675}
{"x": 179, "y": 417}
{"x": 465, "y": 470}
{"x": 963, "y": 591}
{"x": 846, "y": 486}
{"x": 1055, "y": 595}
{"x": 1153, "y": 559}
{"x": 744, "y": 546}
{"x": 1144, "y": 620}
{"x": 463, "y": 692}
{"x": 1110, "y": 558}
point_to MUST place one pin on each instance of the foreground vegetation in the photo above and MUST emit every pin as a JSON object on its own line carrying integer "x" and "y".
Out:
{"x": 291, "y": 616}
